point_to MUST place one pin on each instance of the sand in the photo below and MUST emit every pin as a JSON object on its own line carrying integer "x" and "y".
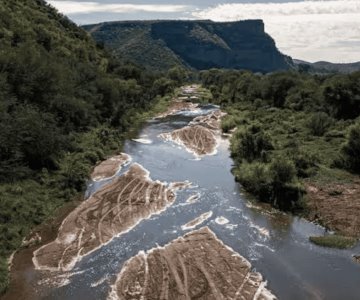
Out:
{"x": 113, "y": 210}
{"x": 195, "y": 266}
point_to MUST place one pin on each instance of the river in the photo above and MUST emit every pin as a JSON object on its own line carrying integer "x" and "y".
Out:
{"x": 276, "y": 244}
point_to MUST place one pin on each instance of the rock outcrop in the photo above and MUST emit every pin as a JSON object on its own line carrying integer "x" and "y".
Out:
{"x": 196, "y": 44}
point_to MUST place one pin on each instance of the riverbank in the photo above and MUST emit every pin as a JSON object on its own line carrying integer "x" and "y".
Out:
{"x": 92, "y": 148}
{"x": 37, "y": 202}
{"x": 274, "y": 243}
{"x": 288, "y": 151}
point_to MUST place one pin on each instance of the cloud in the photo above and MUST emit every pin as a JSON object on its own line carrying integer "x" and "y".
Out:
{"x": 312, "y": 30}
{"x": 75, "y": 7}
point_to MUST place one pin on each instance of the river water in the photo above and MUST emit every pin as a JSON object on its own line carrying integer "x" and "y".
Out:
{"x": 276, "y": 244}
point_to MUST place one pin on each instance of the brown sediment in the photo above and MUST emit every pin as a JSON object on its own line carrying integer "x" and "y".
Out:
{"x": 357, "y": 258}
{"x": 197, "y": 221}
{"x": 211, "y": 120}
{"x": 112, "y": 210}
{"x": 109, "y": 167}
{"x": 197, "y": 139}
{"x": 336, "y": 206}
{"x": 195, "y": 266}
{"x": 200, "y": 137}
{"x": 193, "y": 198}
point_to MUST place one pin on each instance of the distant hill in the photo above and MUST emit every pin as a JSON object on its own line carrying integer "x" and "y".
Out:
{"x": 196, "y": 44}
{"x": 328, "y": 67}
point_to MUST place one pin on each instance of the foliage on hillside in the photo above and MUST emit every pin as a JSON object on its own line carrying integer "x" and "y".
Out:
{"x": 200, "y": 45}
{"x": 64, "y": 105}
{"x": 289, "y": 126}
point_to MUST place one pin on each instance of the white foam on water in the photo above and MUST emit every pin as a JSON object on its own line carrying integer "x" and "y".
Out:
{"x": 221, "y": 220}
{"x": 143, "y": 141}
{"x": 100, "y": 281}
{"x": 194, "y": 198}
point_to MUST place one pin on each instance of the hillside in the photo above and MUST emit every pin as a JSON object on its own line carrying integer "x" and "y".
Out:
{"x": 328, "y": 67}
{"x": 196, "y": 44}
{"x": 64, "y": 105}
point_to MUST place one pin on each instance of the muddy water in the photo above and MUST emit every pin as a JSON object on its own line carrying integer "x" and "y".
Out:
{"x": 276, "y": 245}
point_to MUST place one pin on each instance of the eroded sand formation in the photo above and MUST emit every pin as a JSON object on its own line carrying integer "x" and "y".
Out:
{"x": 197, "y": 221}
{"x": 211, "y": 120}
{"x": 113, "y": 210}
{"x": 196, "y": 266}
{"x": 196, "y": 139}
{"x": 109, "y": 167}
{"x": 200, "y": 137}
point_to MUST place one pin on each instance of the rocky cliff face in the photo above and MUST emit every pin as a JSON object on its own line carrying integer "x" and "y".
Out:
{"x": 196, "y": 44}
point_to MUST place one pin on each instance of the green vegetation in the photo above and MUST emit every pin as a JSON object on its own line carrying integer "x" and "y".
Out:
{"x": 334, "y": 241}
{"x": 160, "y": 45}
{"x": 290, "y": 127}
{"x": 65, "y": 104}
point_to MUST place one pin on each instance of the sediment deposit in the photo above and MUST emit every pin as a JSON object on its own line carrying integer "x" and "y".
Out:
{"x": 196, "y": 139}
{"x": 336, "y": 206}
{"x": 113, "y": 210}
{"x": 109, "y": 167}
{"x": 178, "y": 105}
{"x": 196, "y": 266}
{"x": 197, "y": 221}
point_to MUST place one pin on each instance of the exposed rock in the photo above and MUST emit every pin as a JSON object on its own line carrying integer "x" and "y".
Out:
{"x": 200, "y": 136}
{"x": 197, "y": 221}
{"x": 113, "y": 210}
{"x": 109, "y": 167}
{"x": 196, "y": 44}
{"x": 196, "y": 139}
{"x": 196, "y": 266}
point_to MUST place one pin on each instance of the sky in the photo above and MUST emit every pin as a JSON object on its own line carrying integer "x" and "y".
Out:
{"x": 311, "y": 30}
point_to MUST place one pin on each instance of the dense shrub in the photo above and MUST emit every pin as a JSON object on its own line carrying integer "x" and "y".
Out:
{"x": 351, "y": 151}
{"x": 319, "y": 123}
{"x": 253, "y": 144}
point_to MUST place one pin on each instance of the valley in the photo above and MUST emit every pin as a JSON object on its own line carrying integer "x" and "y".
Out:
{"x": 133, "y": 238}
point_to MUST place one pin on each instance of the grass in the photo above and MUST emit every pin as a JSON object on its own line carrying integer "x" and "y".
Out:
{"x": 334, "y": 241}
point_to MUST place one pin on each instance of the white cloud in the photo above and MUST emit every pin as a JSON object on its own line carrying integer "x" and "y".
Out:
{"x": 311, "y": 30}
{"x": 75, "y": 7}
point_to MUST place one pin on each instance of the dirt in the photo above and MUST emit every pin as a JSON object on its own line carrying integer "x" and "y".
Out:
{"x": 113, "y": 210}
{"x": 195, "y": 266}
{"x": 109, "y": 167}
{"x": 21, "y": 285}
{"x": 336, "y": 206}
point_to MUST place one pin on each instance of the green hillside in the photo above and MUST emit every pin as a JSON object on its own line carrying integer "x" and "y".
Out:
{"x": 196, "y": 44}
{"x": 64, "y": 105}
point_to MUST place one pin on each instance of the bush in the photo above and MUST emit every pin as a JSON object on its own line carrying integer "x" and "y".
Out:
{"x": 319, "y": 123}
{"x": 253, "y": 144}
{"x": 4, "y": 278}
{"x": 334, "y": 241}
{"x": 228, "y": 123}
{"x": 350, "y": 153}
{"x": 282, "y": 171}
{"x": 256, "y": 179}
{"x": 306, "y": 164}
